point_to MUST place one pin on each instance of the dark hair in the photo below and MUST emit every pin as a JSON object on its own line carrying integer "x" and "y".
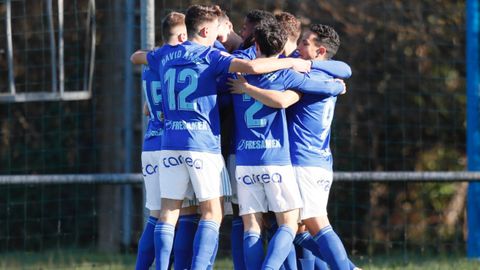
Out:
{"x": 198, "y": 14}
{"x": 327, "y": 37}
{"x": 171, "y": 20}
{"x": 290, "y": 24}
{"x": 257, "y": 16}
{"x": 270, "y": 37}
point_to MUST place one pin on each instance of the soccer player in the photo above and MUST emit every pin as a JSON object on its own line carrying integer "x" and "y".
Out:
{"x": 226, "y": 35}
{"x": 310, "y": 151}
{"x": 190, "y": 157}
{"x": 173, "y": 32}
{"x": 293, "y": 27}
{"x": 251, "y": 20}
{"x": 264, "y": 175}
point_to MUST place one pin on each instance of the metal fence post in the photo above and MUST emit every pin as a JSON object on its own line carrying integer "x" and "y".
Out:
{"x": 127, "y": 119}
{"x": 8, "y": 26}
{"x": 147, "y": 40}
{"x": 473, "y": 126}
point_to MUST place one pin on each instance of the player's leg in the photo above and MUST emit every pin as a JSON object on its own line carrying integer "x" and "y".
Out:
{"x": 207, "y": 172}
{"x": 165, "y": 232}
{"x": 146, "y": 247}
{"x": 146, "y": 243}
{"x": 236, "y": 235}
{"x": 306, "y": 260}
{"x": 185, "y": 233}
{"x": 252, "y": 241}
{"x": 315, "y": 186}
{"x": 226, "y": 201}
{"x": 252, "y": 204}
{"x": 236, "y": 240}
{"x": 305, "y": 241}
{"x": 290, "y": 262}
{"x": 206, "y": 237}
{"x": 174, "y": 183}
{"x": 281, "y": 243}
{"x": 271, "y": 226}
{"x": 284, "y": 199}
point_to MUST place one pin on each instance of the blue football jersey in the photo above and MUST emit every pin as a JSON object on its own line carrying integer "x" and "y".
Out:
{"x": 309, "y": 128}
{"x": 261, "y": 132}
{"x": 249, "y": 53}
{"x": 294, "y": 54}
{"x": 153, "y": 96}
{"x": 218, "y": 45}
{"x": 188, "y": 74}
{"x": 337, "y": 69}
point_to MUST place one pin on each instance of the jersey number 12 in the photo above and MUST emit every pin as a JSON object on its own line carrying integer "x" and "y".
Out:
{"x": 185, "y": 75}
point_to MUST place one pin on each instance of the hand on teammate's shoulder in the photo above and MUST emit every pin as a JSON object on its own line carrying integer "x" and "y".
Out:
{"x": 301, "y": 65}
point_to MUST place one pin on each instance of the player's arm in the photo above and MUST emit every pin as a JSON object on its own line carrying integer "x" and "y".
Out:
{"x": 314, "y": 84}
{"x": 337, "y": 69}
{"x": 146, "y": 110}
{"x": 139, "y": 57}
{"x": 270, "y": 98}
{"x": 265, "y": 65}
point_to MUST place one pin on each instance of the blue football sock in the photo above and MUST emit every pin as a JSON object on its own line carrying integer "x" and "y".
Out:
{"x": 146, "y": 246}
{"x": 252, "y": 250}
{"x": 290, "y": 262}
{"x": 279, "y": 248}
{"x": 351, "y": 265}
{"x": 164, "y": 234}
{"x": 306, "y": 241}
{"x": 212, "y": 259}
{"x": 320, "y": 264}
{"x": 307, "y": 260}
{"x": 332, "y": 249}
{"x": 183, "y": 244}
{"x": 204, "y": 244}
{"x": 236, "y": 239}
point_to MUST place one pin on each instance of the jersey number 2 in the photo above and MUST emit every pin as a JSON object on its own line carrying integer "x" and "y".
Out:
{"x": 253, "y": 109}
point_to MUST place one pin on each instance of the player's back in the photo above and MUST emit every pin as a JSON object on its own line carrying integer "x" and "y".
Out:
{"x": 309, "y": 128}
{"x": 188, "y": 74}
{"x": 249, "y": 53}
{"x": 152, "y": 90}
{"x": 261, "y": 131}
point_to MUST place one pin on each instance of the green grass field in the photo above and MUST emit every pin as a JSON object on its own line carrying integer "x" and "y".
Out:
{"x": 81, "y": 259}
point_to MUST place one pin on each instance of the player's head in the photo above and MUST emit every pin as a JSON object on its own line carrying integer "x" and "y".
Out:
{"x": 252, "y": 19}
{"x": 270, "y": 39}
{"x": 173, "y": 28}
{"x": 319, "y": 42}
{"x": 290, "y": 24}
{"x": 202, "y": 23}
{"x": 225, "y": 26}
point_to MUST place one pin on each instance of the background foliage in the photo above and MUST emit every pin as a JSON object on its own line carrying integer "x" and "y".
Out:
{"x": 404, "y": 111}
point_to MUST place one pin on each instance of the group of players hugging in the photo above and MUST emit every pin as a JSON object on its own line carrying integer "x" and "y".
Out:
{"x": 272, "y": 100}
